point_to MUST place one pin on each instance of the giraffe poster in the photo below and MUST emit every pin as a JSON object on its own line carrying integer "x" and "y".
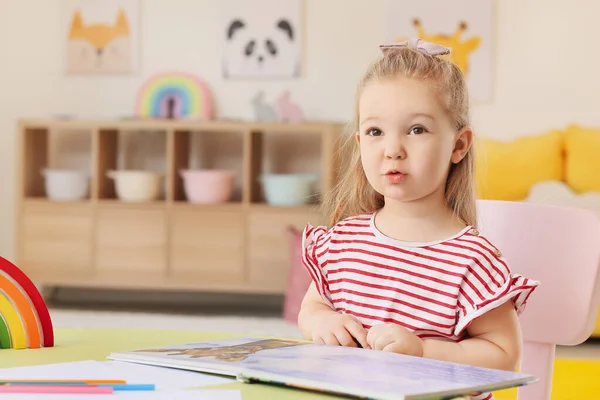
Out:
{"x": 464, "y": 25}
{"x": 100, "y": 37}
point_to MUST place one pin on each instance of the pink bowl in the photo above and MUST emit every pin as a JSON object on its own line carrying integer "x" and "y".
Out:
{"x": 208, "y": 185}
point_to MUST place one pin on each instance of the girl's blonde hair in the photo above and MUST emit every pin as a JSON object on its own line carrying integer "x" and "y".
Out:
{"x": 353, "y": 195}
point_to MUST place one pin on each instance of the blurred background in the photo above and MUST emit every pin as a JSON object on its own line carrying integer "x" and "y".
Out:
{"x": 532, "y": 68}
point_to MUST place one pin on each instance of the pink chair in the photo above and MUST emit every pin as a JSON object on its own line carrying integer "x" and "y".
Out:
{"x": 559, "y": 247}
{"x": 298, "y": 278}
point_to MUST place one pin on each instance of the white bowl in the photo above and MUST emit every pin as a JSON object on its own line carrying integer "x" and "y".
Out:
{"x": 137, "y": 186}
{"x": 288, "y": 189}
{"x": 65, "y": 185}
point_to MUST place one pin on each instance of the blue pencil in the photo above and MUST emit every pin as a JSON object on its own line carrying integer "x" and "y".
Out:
{"x": 130, "y": 386}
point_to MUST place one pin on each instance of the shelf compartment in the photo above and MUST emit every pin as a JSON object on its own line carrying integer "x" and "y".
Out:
{"x": 231, "y": 206}
{"x": 64, "y": 150}
{"x": 207, "y": 245}
{"x": 208, "y": 151}
{"x": 130, "y": 240}
{"x": 284, "y": 153}
{"x": 56, "y": 236}
{"x": 129, "y": 150}
{"x": 119, "y": 204}
{"x": 268, "y": 244}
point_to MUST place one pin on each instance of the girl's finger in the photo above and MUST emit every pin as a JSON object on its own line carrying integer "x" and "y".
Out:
{"x": 330, "y": 339}
{"x": 344, "y": 338}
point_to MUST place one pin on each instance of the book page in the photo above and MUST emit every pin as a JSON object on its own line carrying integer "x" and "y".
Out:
{"x": 353, "y": 368}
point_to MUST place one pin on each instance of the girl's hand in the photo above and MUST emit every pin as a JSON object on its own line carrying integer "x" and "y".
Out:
{"x": 339, "y": 330}
{"x": 396, "y": 339}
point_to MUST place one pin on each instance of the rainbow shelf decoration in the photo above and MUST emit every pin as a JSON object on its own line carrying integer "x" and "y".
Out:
{"x": 24, "y": 318}
{"x": 175, "y": 95}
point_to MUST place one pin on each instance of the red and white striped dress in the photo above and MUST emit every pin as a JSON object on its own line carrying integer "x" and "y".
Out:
{"x": 433, "y": 289}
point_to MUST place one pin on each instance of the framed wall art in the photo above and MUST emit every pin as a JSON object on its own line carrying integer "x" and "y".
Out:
{"x": 464, "y": 25}
{"x": 101, "y": 37}
{"x": 261, "y": 38}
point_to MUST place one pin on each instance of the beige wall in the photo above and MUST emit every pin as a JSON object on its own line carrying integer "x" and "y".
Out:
{"x": 546, "y": 72}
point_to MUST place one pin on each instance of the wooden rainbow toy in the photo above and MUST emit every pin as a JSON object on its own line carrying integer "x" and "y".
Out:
{"x": 175, "y": 95}
{"x": 24, "y": 317}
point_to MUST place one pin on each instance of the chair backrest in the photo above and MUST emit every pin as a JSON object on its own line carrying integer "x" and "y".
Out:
{"x": 560, "y": 248}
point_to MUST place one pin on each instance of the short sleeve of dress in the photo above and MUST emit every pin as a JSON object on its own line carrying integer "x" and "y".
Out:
{"x": 488, "y": 284}
{"x": 315, "y": 244}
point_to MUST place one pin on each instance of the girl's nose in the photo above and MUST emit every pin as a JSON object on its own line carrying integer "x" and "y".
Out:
{"x": 395, "y": 150}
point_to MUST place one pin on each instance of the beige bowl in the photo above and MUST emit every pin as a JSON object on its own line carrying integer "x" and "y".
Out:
{"x": 137, "y": 186}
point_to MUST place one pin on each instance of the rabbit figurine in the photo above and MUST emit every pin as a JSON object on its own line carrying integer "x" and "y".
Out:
{"x": 289, "y": 111}
{"x": 262, "y": 110}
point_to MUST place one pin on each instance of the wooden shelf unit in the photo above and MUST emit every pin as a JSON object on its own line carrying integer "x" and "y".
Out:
{"x": 168, "y": 244}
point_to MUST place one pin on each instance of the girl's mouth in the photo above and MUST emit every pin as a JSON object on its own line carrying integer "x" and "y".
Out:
{"x": 395, "y": 176}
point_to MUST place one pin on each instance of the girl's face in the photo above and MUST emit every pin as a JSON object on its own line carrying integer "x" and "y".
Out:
{"x": 407, "y": 142}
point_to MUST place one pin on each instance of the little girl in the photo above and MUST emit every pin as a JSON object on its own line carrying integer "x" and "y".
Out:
{"x": 403, "y": 267}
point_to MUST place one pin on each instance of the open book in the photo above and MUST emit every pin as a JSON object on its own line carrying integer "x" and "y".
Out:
{"x": 347, "y": 371}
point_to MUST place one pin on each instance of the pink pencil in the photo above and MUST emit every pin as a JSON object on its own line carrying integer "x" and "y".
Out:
{"x": 55, "y": 389}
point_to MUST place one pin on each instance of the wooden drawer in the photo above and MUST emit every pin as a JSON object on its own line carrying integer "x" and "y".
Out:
{"x": 269, "y": 245}
{"x": 207, "y": 245}
{"x": 55, "y": 237}
{"x": 131, "y": 240}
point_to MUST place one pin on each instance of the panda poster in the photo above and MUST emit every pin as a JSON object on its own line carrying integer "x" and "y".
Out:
{"x": 100, "y": 37}
{"x": 261, "y": 38}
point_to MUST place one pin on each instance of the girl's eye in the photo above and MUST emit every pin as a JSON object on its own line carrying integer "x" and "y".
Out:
{"x": 374, "y": 132}
{"x": 417, "y": 130}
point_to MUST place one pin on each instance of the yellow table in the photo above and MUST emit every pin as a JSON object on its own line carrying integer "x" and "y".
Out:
{"x": 96, "y": 344}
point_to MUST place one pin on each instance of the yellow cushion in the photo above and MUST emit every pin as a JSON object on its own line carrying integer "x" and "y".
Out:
{"x": 571, "y": 379}
{"x": 508, "y": 170}
{"x": 596, "y": 332}
{"x": 582, "y": 147}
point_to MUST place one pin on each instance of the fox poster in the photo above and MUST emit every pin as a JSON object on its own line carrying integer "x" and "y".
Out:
{"x": 101, "y": 36}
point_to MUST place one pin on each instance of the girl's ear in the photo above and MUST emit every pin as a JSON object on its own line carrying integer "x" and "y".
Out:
{"x": 357, "y": 136}
{"x": 464, "y": 141}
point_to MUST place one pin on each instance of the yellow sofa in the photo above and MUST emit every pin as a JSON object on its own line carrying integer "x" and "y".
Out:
{"x": 557, "y": 166}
